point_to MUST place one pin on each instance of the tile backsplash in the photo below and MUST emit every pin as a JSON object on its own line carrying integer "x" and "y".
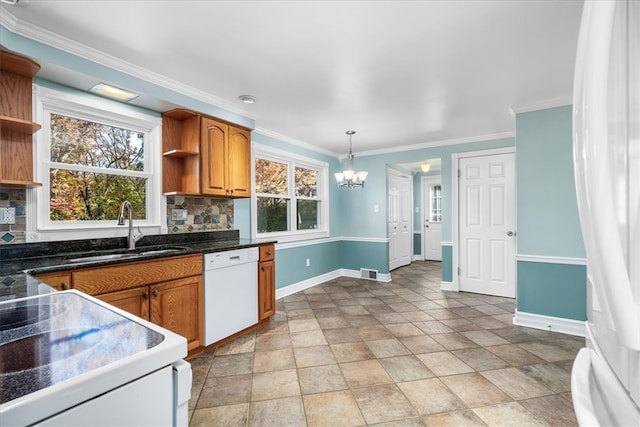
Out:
{"x": 203, "y": 214}
{"x": 13, "y": 198}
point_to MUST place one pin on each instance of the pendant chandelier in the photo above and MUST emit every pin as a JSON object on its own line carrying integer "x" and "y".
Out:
{"x": 349, "y": 178}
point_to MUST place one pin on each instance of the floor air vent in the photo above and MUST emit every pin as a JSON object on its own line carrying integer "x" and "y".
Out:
{"x": 369, "y": 274}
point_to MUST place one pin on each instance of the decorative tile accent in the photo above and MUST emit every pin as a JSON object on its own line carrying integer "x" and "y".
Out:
{"x": 8, "y": 281}
{"x": 203, "y": 214}
{"x": 7, "y": 237}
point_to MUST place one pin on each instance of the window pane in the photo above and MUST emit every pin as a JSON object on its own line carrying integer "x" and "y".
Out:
{"x": 76, "y": 141}
{"x": 436, "y": 200}
{"x": 78, "y": 196}
{"x": 271, "y": 177}
{"x": 273, "y": 214}
{"x": 307, "y": 214}
{"x": 306, "y": 182}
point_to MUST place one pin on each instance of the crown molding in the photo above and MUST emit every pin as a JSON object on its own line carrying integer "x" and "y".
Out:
{"x": 542, "y": 105}
{"x": 56, "y": 41}
{"x": 445, "y": 142}
{"x": 283, "y": 138}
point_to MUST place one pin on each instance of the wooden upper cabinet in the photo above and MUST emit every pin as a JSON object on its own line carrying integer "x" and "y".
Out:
{"x": 16, "y": 127}
{"x": 205, "y": 156}
{"x": 226, "y": 159}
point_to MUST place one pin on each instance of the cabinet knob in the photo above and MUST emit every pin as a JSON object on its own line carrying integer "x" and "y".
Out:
{"x": 64, "y": 286}
{"x": 155, "y": 293}
{"x": 145, "y": 295}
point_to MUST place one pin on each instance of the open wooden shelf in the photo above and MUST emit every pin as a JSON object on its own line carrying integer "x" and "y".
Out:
{"x": 19, "y": 125}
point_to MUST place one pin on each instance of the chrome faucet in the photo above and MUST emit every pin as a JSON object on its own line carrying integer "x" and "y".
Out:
{"x": 132, "y": 238}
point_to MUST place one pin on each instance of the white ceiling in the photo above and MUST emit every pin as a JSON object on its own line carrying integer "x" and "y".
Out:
{"x": 398, "y": 72}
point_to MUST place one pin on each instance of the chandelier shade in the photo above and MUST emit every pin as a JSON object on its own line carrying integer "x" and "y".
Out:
{"x": 349, "y": 178}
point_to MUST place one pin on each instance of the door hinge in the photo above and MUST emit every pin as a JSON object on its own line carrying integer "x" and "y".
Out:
{"x": 459, "y": 173}
{"x": 459, "y": 271}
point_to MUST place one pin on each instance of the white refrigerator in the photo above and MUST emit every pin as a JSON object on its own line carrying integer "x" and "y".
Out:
{"x": 605, "y": 380}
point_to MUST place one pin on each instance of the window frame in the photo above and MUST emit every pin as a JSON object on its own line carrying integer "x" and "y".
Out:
{"x": 96, "y": 109}
{"x": 292, "y": 161}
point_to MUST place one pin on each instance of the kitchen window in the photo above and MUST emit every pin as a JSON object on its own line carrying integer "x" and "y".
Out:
{"x": 291, "y": 201}
{"x": 93, "y": 154}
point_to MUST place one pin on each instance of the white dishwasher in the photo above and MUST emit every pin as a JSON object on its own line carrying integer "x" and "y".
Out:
{"x": 230, "y": 292}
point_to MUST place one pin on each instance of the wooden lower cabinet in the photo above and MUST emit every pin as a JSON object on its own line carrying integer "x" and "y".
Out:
{"x": 166, "y": 292}
{"x": 266, "y": 289}
{"x": 134, "y": 301}
{"x": 60, "y": 281}
{"x": 173, "y": 305}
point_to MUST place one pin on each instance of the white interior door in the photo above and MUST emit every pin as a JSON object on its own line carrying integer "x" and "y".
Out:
{"x": 432, "y": 218}
{"x": 400, "y": 216}
{"x": 487, "y": 224}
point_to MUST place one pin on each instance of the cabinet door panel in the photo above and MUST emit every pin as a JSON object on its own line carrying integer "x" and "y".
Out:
{"x": 214, "y": 135}
{"x": 239, "y": 162}
{"x": 59, "y": 280}
{"x": 266, "y": 289}
{"x": 134, "y": 301}
{"x": 177, "y": 306}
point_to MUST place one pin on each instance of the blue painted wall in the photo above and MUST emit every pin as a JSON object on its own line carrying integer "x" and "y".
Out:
{"x": 548, "y": 221}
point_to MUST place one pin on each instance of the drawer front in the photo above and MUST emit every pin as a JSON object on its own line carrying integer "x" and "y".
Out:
{"x": 95, "y": 281}
{"x": 60, "y": 280}
{"x": 267, "y": 252}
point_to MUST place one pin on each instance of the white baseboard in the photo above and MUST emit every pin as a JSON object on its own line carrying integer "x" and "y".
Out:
{"x": 447, "y": 286}
{"x": 550, "y": 323}
{"x": 313, "y": 281}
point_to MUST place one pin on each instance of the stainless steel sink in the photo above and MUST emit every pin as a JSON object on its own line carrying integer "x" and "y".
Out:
{"x": 139, "y": 253}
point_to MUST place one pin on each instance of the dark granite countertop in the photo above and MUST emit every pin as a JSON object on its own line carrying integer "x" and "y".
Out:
{"x": 18, "y": 261}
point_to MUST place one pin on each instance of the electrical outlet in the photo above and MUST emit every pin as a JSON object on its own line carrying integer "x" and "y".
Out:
{"x": 7, "y": 215}
{"x": 178, "y": 214}
{"x": 308, "y": 262}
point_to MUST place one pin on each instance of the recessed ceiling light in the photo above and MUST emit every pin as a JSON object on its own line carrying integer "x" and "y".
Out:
{"x": 113, "y": 92}
{"x": 247, "y": 99}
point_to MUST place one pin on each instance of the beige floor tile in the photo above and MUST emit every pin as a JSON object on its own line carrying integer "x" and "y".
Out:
{"x": 485, "y": 338}
{"x": 552, "y": 410}
{"x": 354, "y": 310}
{"x": 244, "y": 344}
{"x": 475, "y": 390}
{"x": 433, "y": 327}
{"x": 321, "y": 379}
{"x": 273, "y": 341}
{"x": 514, "y": 355}
{"x": 277, "y": 412}
{"x": 373, "y": 332}
{"x": 400, "y": 330}
{"x": 234, "y": 364}
{"x": 454, "y": 419}
{"x": 301, "y": 325}
{"x": 313, "y": 356}
{"x": 383, "y": 403}
{"x": 219, "y": 391}
{"x": 350, "y": 352}
{"x": 361, "y": 320}
{"x": 308, "y": 338}
{"x": 406, "y": 368}
{"x": 337, "y": 408}
{"x": 341, "y": 335}
{"x": 273, "y": 360}
{"x": 421, "y": 344}
{"x": 550, "y": 375}
{"x": 460, "y": 324}
{"x": 480, "y": 359}
{"x": 487, "y": 322}
{"x": 390, "y": 318}
{"x": 387, "y": 348}
{"x": 365, "y": 373}
{"x": 444, "y": 363}
{"x": 416, "y": 316}
{"x": 516, "y": 384}
{"x": 454, "y": 341}
{"x": 549, "y": 352}
{"x": 430, "y": 396}
{"x": 333, "y": 322}
{"x": 507, "y": 414}
{"x": 230, "y": 415}
{"x": 276, "y": 384}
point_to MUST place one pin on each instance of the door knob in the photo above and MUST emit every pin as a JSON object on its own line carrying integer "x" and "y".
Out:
{"x": 426, "y": 226}
{"x": 510, "y": 233}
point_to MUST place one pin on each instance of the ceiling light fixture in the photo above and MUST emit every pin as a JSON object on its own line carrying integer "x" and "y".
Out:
{"x": 425, "y": 166}
{"x": 349, "y": 178}
{"x": 247, "y": 99}
{"x": 113, "y": 92}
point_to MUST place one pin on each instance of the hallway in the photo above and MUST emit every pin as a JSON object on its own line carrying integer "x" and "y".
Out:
{"x": 353, "y": 352}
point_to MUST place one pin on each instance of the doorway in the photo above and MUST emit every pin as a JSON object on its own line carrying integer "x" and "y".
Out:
{"x": 485, "y": 216}
{"x": 431, "y": 218}
{"x": 400, "y": 219}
